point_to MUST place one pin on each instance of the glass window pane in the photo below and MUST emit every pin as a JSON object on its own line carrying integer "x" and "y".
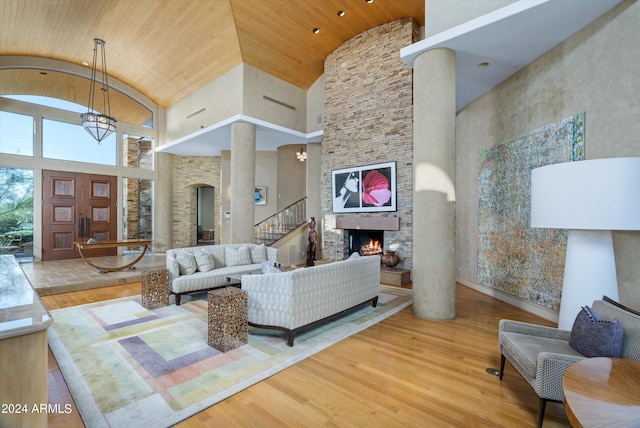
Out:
{"x": 16, "y": 134}
{"x": 16, "y": 212}
{"x": 68, "y": 141}
{"x": 137, "y": 152}
{"x": 137, "y": 203}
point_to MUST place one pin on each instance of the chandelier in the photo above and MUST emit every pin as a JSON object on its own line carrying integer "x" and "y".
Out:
{"x": 301, "y": 154}
{"x": 99, "y": 125}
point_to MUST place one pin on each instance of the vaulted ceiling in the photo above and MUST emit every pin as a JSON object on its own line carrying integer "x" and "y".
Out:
{"x": 166, "y": 49}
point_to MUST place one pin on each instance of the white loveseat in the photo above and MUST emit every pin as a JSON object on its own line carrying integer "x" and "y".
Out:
{"x": 296, "y": 300}
{"x": 194, "y": 269}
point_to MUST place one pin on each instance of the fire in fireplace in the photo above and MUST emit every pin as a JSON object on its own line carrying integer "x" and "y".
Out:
{"x": 371, "y": 248}
{"x": 366, "y": 242}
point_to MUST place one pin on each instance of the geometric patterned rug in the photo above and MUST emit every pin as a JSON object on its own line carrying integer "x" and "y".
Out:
{"x": 128, "y": 366}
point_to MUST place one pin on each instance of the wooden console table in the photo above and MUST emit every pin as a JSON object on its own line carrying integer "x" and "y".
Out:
{"x": 113, "y": 244}
{"x": 603, "y": 392}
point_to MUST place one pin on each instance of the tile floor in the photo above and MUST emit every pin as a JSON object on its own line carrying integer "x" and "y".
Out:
{"x": 61, "y": 276}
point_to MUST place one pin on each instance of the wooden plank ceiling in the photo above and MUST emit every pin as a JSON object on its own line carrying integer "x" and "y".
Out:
{"x": 167, "y": 49}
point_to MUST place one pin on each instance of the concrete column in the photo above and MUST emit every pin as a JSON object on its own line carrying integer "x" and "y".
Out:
{"x": 434, "y": 139}
{"x": 243, "y": 181}
{"x": 163, "y": 203}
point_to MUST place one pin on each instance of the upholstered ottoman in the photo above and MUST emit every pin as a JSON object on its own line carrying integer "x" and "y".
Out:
{"x": 155, "y": 288}
{"x": 227, "y": 318}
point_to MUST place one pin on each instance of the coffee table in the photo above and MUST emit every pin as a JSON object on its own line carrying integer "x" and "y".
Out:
{"x": 236, "y": 278}
{"x": 603, "y": 392}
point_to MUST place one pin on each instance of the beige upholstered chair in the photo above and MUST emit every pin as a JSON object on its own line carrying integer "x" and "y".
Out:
{"x": 542, "y": 354}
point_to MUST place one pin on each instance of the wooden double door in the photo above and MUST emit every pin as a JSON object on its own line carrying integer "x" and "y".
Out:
{"x": 77, "y": 207}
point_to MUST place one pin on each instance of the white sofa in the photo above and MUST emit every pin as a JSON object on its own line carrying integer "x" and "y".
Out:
{"x": 296, "y": 300}
{"x": 194, "y": 269}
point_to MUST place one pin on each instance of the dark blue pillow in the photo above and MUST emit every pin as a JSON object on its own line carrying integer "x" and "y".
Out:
{"x": 593, "y": 336}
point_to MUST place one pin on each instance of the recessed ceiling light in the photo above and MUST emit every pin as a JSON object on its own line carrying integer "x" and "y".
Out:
{"x": 341, "y": 13}
{"x": 316, "y": 30}
{"x": 483, "y": 64}
{"x": 85, "y": 63}
{"x": 368, "y": 1}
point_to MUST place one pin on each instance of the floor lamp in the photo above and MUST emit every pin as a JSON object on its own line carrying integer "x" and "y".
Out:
{"x": 590, "y": 198}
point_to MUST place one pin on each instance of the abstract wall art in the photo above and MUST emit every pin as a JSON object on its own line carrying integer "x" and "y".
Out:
{"x": 513, "y": 257}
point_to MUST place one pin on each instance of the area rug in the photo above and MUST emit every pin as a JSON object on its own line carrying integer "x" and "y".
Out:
{"x": 128, "y": 366}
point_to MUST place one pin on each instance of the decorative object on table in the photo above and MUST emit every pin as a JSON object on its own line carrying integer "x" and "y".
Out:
{"x": 155, "y": 288}
{"x": 311, "y": 248}
{"x": 99, "y": 125}
{"x": 590, "y": 198}
{"x": 391, "y": 258}
{"x": 369, "y": 188}
{"x": 228, "y": 328}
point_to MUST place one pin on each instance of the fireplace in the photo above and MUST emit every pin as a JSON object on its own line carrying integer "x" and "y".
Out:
{"x": 365, "y": 242}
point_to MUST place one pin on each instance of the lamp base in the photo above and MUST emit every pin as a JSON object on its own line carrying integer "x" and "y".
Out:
{"x": 589, "y": 273}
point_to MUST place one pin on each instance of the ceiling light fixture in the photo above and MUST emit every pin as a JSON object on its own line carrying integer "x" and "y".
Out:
{"x": 341, "y": 13}
{"x": 368, "y": 1}
{"x": 316, "y": 30}
{"x": 99, "y": 125}
{"x": 484, "y": 64}
{"x": 301, "y": 155}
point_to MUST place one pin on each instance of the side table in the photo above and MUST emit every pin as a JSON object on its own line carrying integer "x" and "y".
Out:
{"x": 603, "y": 392}
{"x": 227, "y": 318}
{"x": 155, "y": 288}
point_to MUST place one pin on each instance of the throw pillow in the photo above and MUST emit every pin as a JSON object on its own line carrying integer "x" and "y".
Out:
{"x": 353, "y": 255}
{"x": 592, "y": 336}
{"x": 186, "y": 262}
{"x": 204, "y": 261}
{"x": 237, "y": 257}
{"x": 258, "y": 253}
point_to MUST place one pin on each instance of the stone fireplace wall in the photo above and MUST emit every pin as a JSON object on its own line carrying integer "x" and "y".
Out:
{"x": 368, "y": 120}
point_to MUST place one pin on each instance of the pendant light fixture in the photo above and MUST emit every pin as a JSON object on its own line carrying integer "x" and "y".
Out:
{"x": 99, "y": 125}
{"x": 301, "y": 155}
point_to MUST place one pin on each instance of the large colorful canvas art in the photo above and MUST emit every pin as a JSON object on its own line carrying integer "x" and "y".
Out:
{"x": 513, "y": 257}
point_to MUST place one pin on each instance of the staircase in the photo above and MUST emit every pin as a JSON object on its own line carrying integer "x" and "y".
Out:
{"x": 272, "y": 229}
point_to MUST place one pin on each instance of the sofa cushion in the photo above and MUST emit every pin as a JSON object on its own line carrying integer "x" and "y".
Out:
{"x": 258, "y": 253}
{"x": 204, "y": 260}
{"x": 525, "y": 349}
{"x": 593, "y": 336}
{"x": 186, "y": 262}
{"x": 238, "y": 256}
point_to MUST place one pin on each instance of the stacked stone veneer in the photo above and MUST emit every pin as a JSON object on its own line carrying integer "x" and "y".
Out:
{"x": 189, "y": 173}
{"x": 368, "y": 120}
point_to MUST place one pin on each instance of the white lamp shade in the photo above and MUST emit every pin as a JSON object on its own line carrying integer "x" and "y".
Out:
{"x": 598, "y": 194}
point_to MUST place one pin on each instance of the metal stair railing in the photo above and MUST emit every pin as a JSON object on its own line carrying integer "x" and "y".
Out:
{"x": 274, "y": 228}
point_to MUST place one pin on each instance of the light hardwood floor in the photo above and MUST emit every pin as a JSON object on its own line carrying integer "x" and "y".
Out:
{"x": 403, "y": 371}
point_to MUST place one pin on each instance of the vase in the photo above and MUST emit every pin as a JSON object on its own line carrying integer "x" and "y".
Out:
{"x": 391, "y": 259}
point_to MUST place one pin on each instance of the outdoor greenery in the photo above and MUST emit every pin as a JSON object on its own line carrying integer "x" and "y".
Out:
{"x": 16, "y": 209}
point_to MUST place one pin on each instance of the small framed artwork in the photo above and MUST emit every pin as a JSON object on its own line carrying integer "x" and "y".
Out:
{"x": 260, "y": 195}
{"x": 369, "y": 188}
